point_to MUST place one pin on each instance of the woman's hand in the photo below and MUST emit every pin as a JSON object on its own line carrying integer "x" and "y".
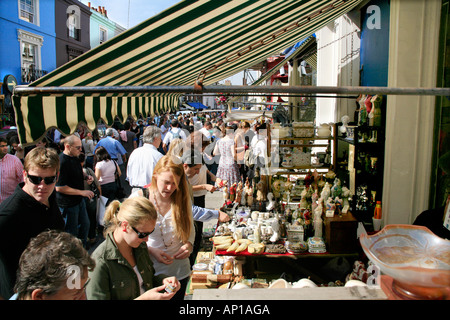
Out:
{"x": 184, "y": 252}
{"x": 155, "y": 294}
{"x": 161, "y": 256}
{"x": 173, "y": 282}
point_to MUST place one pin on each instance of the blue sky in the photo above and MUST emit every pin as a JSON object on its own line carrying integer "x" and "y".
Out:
{"x": 139, "y": 10}
{"x": 129, "y": 13}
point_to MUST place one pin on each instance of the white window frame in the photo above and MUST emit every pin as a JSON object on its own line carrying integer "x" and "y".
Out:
{"x": 25, "y": 37}
{"x": 100, "y": 34}
{"x": 35, "y": 13}
{"x": 72, "y": 26}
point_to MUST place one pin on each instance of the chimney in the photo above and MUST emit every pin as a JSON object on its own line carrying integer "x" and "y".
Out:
{"x": 89, "y": 5}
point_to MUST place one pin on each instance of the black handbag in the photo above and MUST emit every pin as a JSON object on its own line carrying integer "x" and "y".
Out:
{"x": 120, "y": 192}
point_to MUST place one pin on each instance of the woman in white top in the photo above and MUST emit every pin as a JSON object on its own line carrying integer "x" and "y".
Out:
{"x": 105, "y": 171}
{"x": 171, "y": 242}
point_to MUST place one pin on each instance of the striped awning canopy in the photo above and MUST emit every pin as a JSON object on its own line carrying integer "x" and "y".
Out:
{"x": 204, "y": 41}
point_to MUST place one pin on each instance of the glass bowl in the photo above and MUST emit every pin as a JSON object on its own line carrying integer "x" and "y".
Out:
{"x": 416, "y": 259}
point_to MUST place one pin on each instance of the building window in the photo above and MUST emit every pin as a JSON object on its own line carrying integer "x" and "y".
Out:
{"x": 73, "y": 26}
{"x": 28, "y": 11}
{"x": 103, "y": 35}
{"x": 30, "y": 56}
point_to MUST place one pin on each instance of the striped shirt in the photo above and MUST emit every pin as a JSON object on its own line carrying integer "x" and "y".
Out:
{"x": 11, "y": 174}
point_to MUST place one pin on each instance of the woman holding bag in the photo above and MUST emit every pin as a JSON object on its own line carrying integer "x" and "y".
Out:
{"x": 105, "y": 171}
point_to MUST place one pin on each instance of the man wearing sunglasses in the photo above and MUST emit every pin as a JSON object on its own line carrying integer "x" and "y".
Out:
{"x": 70, "y": 190}
{"x": 31, "y": 209}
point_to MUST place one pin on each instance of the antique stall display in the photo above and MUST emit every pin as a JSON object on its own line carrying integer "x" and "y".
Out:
{"x": 301, "y": 212}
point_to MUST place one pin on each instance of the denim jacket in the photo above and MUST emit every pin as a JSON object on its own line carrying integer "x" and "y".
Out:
{"x": 113, "y": 278}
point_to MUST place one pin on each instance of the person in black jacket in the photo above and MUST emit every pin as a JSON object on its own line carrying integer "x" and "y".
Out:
{"x": 30, "y": 210}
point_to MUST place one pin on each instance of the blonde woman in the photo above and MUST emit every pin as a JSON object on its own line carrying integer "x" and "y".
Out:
{"x": 176, "y": 148}
{"x": 171, "y": 242}
{"x": 123, "y": 269}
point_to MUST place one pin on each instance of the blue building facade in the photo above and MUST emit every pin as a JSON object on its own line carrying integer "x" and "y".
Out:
{"x": 27, "y": 29}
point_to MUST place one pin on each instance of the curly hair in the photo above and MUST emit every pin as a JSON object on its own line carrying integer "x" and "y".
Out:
{"x": 47, "y": 262}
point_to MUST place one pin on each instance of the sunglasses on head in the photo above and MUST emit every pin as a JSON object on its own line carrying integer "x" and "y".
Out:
{"x": 37, "y": 180}
{"x": 142, "y": 235}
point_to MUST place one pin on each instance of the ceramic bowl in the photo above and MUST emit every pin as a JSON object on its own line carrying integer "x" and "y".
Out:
{"x": 304, "y": 283}
{"x": 412, "y": 255}
{"x": 355, "y": 283}
{"x": 280, "y": 284}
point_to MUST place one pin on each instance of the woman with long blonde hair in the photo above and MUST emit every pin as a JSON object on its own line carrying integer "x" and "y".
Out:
{"x": 171, "y": 243}
{"x": 123, "y": 268}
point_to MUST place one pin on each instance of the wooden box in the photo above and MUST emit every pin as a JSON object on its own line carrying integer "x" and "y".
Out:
{"x": 340, "y": 233}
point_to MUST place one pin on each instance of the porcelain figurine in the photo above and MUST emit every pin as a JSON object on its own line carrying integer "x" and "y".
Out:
{"x": 325, "y": 194}
{"x": 239, "y": 190}
{"x": 324, "y": 131}
{"x": 226, "y": 194}
{"x": 260, "y": 192}
{"x": 233, "y": 191}
{"x": 249, "y": 193}
{"x": 345, "y": 196}
{"x": 276, "y": 189}
{"x": 271, "y": 204}
{"x": 336, "y": 190}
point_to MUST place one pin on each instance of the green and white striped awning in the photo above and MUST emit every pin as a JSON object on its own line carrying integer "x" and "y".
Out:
{"x": 192, "y": 40}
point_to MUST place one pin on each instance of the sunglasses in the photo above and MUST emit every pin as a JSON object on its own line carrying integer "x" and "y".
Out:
{"x": 37, "y": 180}
{"x": 142, "y": 235}
{"x": 77, "y": 147}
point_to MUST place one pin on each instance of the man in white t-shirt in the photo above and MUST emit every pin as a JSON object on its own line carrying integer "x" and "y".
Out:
{"x": 175, "y": 133}
{"x": 143, "y": 159}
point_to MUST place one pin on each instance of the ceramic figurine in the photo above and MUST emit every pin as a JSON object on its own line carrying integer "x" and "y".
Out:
{"x": 226, "y": 194}
{"x": 325, "y": 192}
{"x": 271, "y": 204}
{"x": 233, "y": 192}
{"x": 260, "y": 194}
{"x": 336, "y": 190}
{"x": 239, "y": 190}
{"x": 276, "y": 189}
{"x": 249, "y": 193}
{"x": 345, "y": 195}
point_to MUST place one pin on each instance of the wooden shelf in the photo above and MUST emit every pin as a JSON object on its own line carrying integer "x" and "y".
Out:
{"x": 297, "y": 138}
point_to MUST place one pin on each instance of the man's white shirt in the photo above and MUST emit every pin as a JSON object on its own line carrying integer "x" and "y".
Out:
{"x": 141, "y": 164}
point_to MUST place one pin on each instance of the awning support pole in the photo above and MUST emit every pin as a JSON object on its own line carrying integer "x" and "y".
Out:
{"x": 147, "y": 90}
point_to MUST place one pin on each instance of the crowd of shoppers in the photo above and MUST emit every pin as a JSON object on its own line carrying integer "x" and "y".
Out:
{"x": 168, "y": 164}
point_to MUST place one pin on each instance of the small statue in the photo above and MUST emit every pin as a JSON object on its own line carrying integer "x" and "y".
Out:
{"x": 325, "y": 192}
{"x": 276, "y": 189}
{"x": 271, "y": 204}
{"x": 226, "y": 194}
{"x": 233, "y": 192}
{"x": 261, "y": 192}
{"x": 336, "y": 190}
{"x": 249, "y": 193}
{"x": 239, "y": 190}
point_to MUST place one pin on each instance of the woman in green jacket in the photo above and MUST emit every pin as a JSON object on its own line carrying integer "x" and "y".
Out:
{"x": 123, "y": 269}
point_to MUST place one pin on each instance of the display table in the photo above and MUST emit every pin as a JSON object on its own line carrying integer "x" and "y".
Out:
{"x": 319, "y": 293}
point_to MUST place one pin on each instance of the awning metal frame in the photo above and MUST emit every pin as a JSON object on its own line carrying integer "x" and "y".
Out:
{"x": 149, "y": 90}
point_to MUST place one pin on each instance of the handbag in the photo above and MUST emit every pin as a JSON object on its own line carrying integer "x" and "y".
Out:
{"x": 101, "y": 207}
{"x": 120, "y": 192}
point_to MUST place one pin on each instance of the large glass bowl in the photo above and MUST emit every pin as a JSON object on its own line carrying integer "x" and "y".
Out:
{"x": 416, "y": 259}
